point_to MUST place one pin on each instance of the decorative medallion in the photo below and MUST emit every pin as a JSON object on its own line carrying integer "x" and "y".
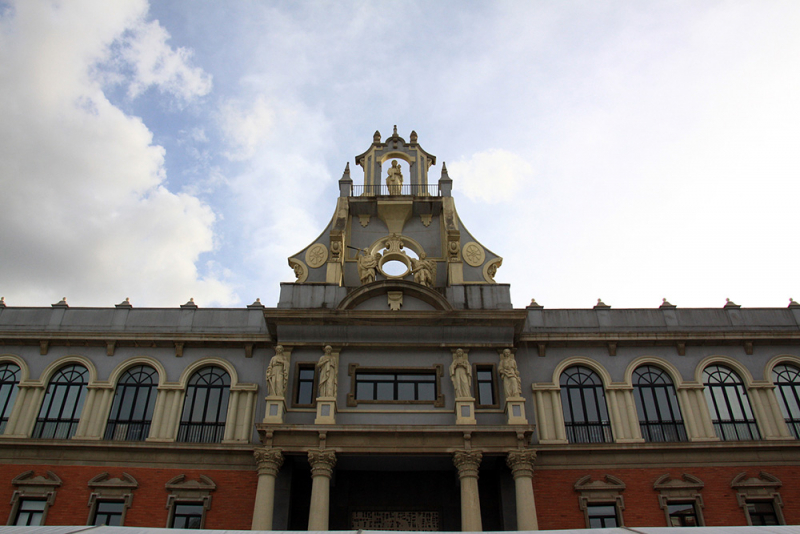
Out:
{"x": 473, "y": 254}
{"x": 300, "y": 270}
{"x": 316, "y": 255}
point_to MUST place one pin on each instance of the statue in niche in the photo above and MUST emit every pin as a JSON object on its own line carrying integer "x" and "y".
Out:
{"x": 461, "y": 374}
{"x": 512, "y": 386}
{"x": 367, "y": 264}
{"x": 278, "y": 373}
{"x": 395, "y": 179}
{"x": 327, "y": 373}
{"x": 424, "y": 270}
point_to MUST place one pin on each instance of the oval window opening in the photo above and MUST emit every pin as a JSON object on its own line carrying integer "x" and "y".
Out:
{"x": 394, "y": 268}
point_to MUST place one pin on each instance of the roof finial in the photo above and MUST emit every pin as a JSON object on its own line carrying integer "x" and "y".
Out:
{"x": 394, "y": 133}
{"x": 2, "y": 302}
{"x": 792, "y": 303}
{"x": 376, "y": 137}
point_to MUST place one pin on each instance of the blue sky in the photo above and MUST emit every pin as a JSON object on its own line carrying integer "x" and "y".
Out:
{"x": 626, "y": 151}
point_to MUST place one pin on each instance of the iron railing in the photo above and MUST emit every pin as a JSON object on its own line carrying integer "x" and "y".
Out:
{"x": 589, "y": 432}
{"x": 127, "y": 430}
{"x": 383, "y": 190}
{"x": 201, "y": 432}
{"x": 663, "y": 431}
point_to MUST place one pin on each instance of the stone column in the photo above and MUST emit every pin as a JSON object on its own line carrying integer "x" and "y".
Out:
{"x": 322, "y": 463}
{"x": 269, "y": 462}
{"x": 521, "y": 464}
{"x": 467, "y": 463}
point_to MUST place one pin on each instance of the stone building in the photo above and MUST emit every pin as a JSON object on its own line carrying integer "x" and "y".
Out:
{"x": 394, "y": 386}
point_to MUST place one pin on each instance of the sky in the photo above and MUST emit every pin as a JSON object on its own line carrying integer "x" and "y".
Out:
{"x": 629, "y": 151}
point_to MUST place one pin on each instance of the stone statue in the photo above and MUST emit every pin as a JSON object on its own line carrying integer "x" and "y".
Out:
{"x": 461, "y": 374}
{"x": 512, "y": 385}
{"x": 367, "y": 264}
{"x": 298, "y": 270}
{"x": 278, "y": 373}
{"x": 327, "y": 373}
{"x": 424, "y": 270}
{"x": 395, "y": 179}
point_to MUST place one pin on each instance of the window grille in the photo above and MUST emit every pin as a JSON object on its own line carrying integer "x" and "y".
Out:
{"x": 61, "y": 408}
{"x": 729, "y": 406}
{"x": 205, "y": 408}
{"x": 584, "y": 404}
{"x": 787, "y": 387}
{"x": 9, "y": 379}
{"x": 134, "y": 401}
{"x": 657, "y": 403}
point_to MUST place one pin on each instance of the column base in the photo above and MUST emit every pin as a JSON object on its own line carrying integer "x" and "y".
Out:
{"x": 276, "y": 410}
{"x": 515, "y": 411}
{"x": 465, "y": 411}
{"x": 326, "y": 411}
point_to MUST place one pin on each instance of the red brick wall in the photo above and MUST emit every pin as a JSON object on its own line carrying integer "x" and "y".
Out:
{"x": 231, "y": 503}
{"x": 557, "y": 501}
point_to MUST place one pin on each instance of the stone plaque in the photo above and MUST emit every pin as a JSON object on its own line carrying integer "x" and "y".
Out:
{"x": 316, "y": 255}
{"x": 379, "y": 520}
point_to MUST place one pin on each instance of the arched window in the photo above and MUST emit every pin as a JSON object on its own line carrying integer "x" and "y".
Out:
{"x": 134, "y": 401}
{"x": 205, "y": 407}
{"x": 584, "y": 403}
{"x": 728, "y": 403}
{"x": 9, "y": 378}
{"x": 61, "y": 408}
{"x": 657, "y": 403}
{"x": 787, "y": 387}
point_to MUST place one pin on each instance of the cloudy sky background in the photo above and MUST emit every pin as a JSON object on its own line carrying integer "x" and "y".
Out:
{"x": 623, "y": 150}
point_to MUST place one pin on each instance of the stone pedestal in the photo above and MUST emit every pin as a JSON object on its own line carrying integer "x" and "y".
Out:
{"x": 515, "y": 411}
{"x": 322, "y": 463}
{"x": 521, "y": 464}
{"x": 276, "y": 409}
{"x": 326, "y": 411}
{"x": 269, "y": 462}
{"x": 465, "y": 411}
{"x": 467, "y": 463}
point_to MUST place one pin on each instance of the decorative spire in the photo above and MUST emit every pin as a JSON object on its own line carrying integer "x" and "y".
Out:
{"x": 61, "y": 303}
{"x": 444, "y": 170}
{"x": 189, "y": 304}
{"x": 124, "y": 304}
{"x": 601, "y": 304}
{"x": 376, "y": 137}
{"x": 413, "y": 136}
{"x": 394, "y": 133}
{"x": 665, "y": 304}
{"x": 256, "y": 304}
{"x": 730, "y": 304}
{"x": 534, "y": 304}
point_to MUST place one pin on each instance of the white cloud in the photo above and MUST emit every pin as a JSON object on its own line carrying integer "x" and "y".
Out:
{"x": 85, "y": 213}
{"x": 144, "y": 47}
{"x": 493, "y": 176}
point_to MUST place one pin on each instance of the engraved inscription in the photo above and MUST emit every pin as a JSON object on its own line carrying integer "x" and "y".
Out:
{"x": 409, "y": 521}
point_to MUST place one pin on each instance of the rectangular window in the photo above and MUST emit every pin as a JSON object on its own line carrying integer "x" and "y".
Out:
{"x": 682, "y": 515}
{"x": 372, "y": 386}
{"x": 485, "y": 385}
{"x": 30, "y": 512}
{"x": 187, "y": 515}
{"x": 109, "y": 513}
{"x": 304, "y": 390}
{"x": 762, "y": 513}
{"x": 602, "y": 515}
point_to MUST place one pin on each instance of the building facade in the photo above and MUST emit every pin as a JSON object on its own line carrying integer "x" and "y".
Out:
{"x": 394, "y": 386}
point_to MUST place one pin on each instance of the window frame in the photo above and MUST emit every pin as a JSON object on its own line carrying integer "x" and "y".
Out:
{"x": 123, "y": 389}
{"x": 492, "y": 368}
{"x": 596, "y": 505}
{"x": 186, "y": 502}
{"x": 436, "y": 371}
{"x": 189, "y": 492}
{"x": 54, "y": 391}
{"x": 791, "y": 388}
{"x": 683, "y": 490}
{"x": 763, "y": 488}
{"x": 106, "y": 489}
{"x": 298, "y": 369}
{"x": 604, "y": 492}
{"x": 19, "y": 510}
{"x": 95, "y": 510}
{"x": 9, "y": 388}
{"x": 31, "y": 487}
{"x": 776, "y": 510}
{"x": 726, "y": 391}
{"x": 187, "y": 427}
{"x": 603, "y": 423}
{"x": 668, "y": 401}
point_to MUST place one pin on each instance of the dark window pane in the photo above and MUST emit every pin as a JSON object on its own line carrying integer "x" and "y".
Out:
{"x": 385, "y": 391}
{"x": 205, "y": 407}
{"x": 364, "y": 391}
{"x": 427, "y": 391}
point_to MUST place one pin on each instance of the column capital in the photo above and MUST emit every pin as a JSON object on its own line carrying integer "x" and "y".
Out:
{"x": 521, "y": 462}
{"x": 322, "y": 463}
{"x": 467, "y": 463}
{"x": 269, "y": 461}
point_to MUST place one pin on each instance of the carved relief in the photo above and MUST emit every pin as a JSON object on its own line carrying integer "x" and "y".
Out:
{"x": 521, "y": 463}
{"x": 316, "y": 255}
{"x": 461, "y": 374}
{"x": 278, "y": 373}
{"x": 474, "y": 254}
{"x": 300, "y": 270}
{"x": 269, "y": 461}
{"x": 393, "y": 243}
{"x": 364, "y": 219}
{"x": 426, "y": 219}
{"x": 467, "y": 463}
{"x": 336, "y": 249}
{"x": 452, "y": 249}
{"x": 490, "y": 269}
{"x": 322, "y": 463}
{"x": 395, "y": 299}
